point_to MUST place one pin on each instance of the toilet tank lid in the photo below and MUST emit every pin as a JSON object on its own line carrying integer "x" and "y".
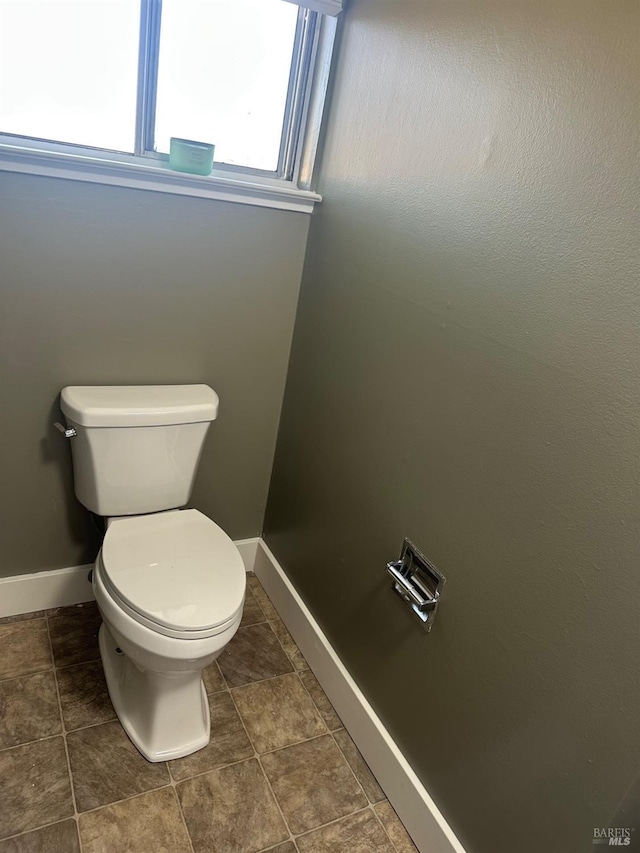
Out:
{"x": 138, "y": 405}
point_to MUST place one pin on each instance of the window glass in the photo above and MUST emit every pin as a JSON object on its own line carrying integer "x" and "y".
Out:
{"x": 68, "y": 70}
{"x": 223, "y": 75}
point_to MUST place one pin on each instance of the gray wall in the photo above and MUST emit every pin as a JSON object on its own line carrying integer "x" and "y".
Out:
{"x": 104, "y": 285}
{"x": 464, "y": 372}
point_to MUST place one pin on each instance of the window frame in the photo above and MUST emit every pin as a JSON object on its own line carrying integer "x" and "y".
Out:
{"x": 287, "y": 187}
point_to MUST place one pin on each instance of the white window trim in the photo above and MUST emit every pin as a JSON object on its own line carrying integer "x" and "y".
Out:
{"x": 325, "y": 7}
{"x": 32, "y": 157}
{"x": 155, "y": 178}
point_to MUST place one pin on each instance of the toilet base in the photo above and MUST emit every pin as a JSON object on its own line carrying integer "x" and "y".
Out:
{"x": 165, "y": 714}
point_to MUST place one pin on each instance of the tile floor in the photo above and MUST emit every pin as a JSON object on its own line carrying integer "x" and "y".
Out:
{"x": 280, "y": 773}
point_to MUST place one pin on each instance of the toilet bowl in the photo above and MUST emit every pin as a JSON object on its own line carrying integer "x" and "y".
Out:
{"x": 170, "y": 588}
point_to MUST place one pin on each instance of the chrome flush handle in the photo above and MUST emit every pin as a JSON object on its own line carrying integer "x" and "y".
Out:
{"x": 68, "y": 432}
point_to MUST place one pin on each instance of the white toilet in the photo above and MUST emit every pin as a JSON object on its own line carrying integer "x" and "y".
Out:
{"x": 169, "y": 583}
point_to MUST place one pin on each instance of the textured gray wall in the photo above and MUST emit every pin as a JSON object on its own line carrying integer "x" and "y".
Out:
{"x": 104, "y": 285}
{"x": 464, "y": 372}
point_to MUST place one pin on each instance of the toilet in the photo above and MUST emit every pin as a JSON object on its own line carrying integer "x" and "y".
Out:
{"x": 169, "y": 582}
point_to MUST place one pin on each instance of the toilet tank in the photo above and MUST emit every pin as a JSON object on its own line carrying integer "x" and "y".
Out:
{"x": 137, "y": 447}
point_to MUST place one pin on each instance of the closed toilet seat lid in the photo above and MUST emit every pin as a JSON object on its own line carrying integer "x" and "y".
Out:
{"x": 178, "y": 570}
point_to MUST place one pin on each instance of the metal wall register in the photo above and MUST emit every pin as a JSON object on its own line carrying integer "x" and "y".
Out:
{"x": 417, "y": 582}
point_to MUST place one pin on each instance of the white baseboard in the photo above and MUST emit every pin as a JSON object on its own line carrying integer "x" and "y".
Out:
{"x": 41, "y": 590}
{"x": 61, "y": 587}
{"x": 248, "y": 549}
{"x": 420, "y": 815}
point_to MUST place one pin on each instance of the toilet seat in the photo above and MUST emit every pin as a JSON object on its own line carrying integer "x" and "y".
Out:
{"x": 176, "y": 572}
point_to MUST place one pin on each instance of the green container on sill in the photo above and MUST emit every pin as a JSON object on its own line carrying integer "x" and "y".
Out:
{"x": 186, "y": 155}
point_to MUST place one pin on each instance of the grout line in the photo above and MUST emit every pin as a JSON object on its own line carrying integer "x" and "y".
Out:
{"x": 16, "y": 618}
{"x": 4, "y": 838}
{"x": 89, "y": 662}
{"x": 180, "y": 812}
{"x": 113, "y": 719}
{"x": 30, "y": 742}
{"x": 253, "y": 595}
{"x": 353, "y": 772}
{"x": 82, "y": 663}
{"x": 260, "y": 681}
{"x": 384, "y": 829}
{"x": 224, "y": 680}
{"x": 176, "y": 782}
{"x": 126, "y": 799}
{"x": 275, "y": 800}
{"x": 266, "y": 778}
{"x": 279, "y": 844}
{"x": 296, "y": 743}
{"x": 317, "y": 707}
{"x": 346, "y": 758}
{"x": 246, "y": 758}
{"x": 27, "y": 674}
{"x": 215, "y": 693}
{"x": 278, "y": 618}
{"x": 251, "y": 624}
{"x": 335, "y": 820}
{"x": 64, "y": 737}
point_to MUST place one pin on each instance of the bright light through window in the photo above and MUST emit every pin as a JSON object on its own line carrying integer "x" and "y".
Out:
{"x": 103, "y": 85}
{"x": 68, "y": 70}
{"x": 223, "y": 76}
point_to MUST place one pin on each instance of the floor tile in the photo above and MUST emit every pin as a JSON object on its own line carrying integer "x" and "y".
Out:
{"x": 359, "y": 766}
{"x": 289, "y": 645}
{"x": 35, "y": 786}
{"x": 312, "y": 783}
{"x": 74, "y": 633}
{"x": 241, "y": 815}
{"x": 107, "y": 767}
{"x": 229, "y": 741}
{"x": 22, "y": 617}
{"x": 252, "y": 613}
{"x": 327, "y": 711}
{"x": 395, "y": 828}
{"x": 358, "y": 833}
{"x": 25, "y": 648}
{"x": 84, "y": 696}
{"x": 28, "y": 709}
{"x": 261, "y": 596}
{"x": 57, "y": 838}
{"x": 149, "y": 823}
{"x": 212, "y": 677}
{"x": 278, "y": 712}
{"x": 253, "y": 655}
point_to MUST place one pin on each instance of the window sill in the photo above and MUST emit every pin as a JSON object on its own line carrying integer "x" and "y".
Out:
{"x": 95, "y": 170}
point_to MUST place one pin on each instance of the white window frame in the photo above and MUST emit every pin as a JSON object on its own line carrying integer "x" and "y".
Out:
{"x": 287, "y": 188}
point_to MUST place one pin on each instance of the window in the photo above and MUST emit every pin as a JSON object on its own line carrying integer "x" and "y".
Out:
{"x": 59, "y": 81}
{"x": 241, "y": 71}
{"x": 94, "y": 83}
